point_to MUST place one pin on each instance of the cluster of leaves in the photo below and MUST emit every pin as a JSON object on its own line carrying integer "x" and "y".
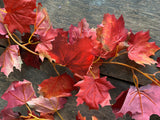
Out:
{"x": 82, "y": 50}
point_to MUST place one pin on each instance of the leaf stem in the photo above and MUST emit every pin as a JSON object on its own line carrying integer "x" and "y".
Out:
{"x": 54, "y": 66}
{"x": 131, "y": 67}
{"x": 28, "y": 108}
{"x": 18, "y": 42}
{"x": 92, "y": 74}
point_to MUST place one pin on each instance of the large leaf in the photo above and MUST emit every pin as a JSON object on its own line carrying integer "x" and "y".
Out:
{"x": 110, "y": 33}
{"x": 94, "y": 92}
{"x": 18, "y": 93}
{"x": 45, "y": 105}
{"x": 77, "y": 57}
{"x": 140, "y": 49}
{"x": 60, "y": 86}
{"x": 20, "y": 14}
{"x": 10, "y": 58}
{"x": 140, "y": 104}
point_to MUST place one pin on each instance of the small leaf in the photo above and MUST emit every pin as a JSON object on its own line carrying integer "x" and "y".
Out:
{"x": 94, "y": 92}
{"x": 18, "y": 93}
{"x": 80, "y": 117}
{"x": 47, "y": 105}
{"x": 140, "y": 49}
{"x": 10, "y": 58}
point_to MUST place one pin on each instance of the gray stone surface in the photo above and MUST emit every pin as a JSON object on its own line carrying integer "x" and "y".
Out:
{"x": 138, "y": 15}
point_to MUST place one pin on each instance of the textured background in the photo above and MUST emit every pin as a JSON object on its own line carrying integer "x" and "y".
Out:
{"x": 138, "y": 15}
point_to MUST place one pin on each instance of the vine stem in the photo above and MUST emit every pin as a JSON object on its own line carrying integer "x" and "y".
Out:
{"x": 131, "y": 67}
{"x": 18, "y": 42}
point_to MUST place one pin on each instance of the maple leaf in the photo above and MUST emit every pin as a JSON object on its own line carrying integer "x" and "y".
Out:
{"x": 10, "y": 58}
{"x": 20, "y": 14}
{"x": 46, "y": 40}
{"x": 79, "y": 32}
{"x": 140, "y": 49}
{"x": 18, "y": 93}
{"x": 94, "y": 92}
{"x": 158, "y": 62}
{"x": 140, "y": 104}
{"x": 27, "y": 57}
{"x": 2, "y": 28}
{"x": 8, "y": 114}
{"x": 59, "y": 86}
{"x": 110, "y": 33}
{"x": 77, "y": 57}
{"x": 80, "y": 117}
{"x": 45, "y": 105}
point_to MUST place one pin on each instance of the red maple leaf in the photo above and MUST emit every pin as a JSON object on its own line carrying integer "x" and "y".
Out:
{"x": 77, "y": 57}
{"x": 80, "y": 117}
{"x": 110, "y": 33}
{"x": 20, "y": 14}
{"x": 140, "y": 104}
{"x": 79, "y": 32}
{"x": 45, "y": 105}
{"x": 18, "y": 93}
{"x": 140, "y": 49}
{"x": 94, "y": 92}
{"x": 10, "y": 58}
{"x": 59, "y": 86}
{"x": 8, "y": 114}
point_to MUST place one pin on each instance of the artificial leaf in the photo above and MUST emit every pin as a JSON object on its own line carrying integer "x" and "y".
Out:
{"x": 27, "y": 57}
{"x": 20, "y": 14}
{"x": 77, "y": 57}
{"x": 42, "y": 24}
{"x": 94, "y": 92}
{"x": 8, "y": 114}
{"x": 94, "y": 118}
{"x": 10, "y": 58}
{"x": 47, "y": 105}
{"x": 60, "y": 86}
{"x": 139, "y": 103}
{"x": 18, "y": 93}
{"x": 46, "y": 44}
{"x": 158, "y": 62}
{"x": 110, "y": 33}
{"x": 81, "y": 31}
{"x": 80, "y": 117}
{"x": 140, "y": 49}
{"x": 2, "y": 28}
